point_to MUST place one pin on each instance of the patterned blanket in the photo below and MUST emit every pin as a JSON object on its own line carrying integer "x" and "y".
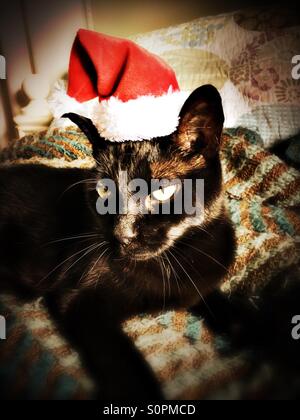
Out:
{"x": 188, "y": 357}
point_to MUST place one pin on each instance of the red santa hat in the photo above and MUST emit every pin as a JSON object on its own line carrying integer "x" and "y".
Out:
{"x": 129, "y": 93}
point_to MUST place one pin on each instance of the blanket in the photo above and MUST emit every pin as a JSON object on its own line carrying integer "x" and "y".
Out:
{"x": 189, "y": 358}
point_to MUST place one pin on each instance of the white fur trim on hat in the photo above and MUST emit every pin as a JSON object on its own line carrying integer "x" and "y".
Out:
{"x": 143, "y": 118}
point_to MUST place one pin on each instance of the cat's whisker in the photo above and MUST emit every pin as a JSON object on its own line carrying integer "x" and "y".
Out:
{"x": 69, "y": 238}
{"x": 205, "y": 231}
{"x": 205, "y": 254}
{"x": 192, "y": 281}
{"x": 163, "y": 257}
{"x": 174, "y": 271}
{"x": 92, "y": 248}
{"x": 167, "y": 276}
{"x": 90, "y": 270}
{"x": 65, "y": 260}
{"x": 180, "y": 254}
{"x": 99, "y": 276}
{"x": 83, "y": 181}
{"x": 188, "y": 262}
{"x": 164, "y": 283}
{"x": 97, "y": 280}
{"x": 134, "y": 263}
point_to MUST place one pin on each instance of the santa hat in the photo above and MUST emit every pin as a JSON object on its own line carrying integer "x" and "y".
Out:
{"x": 129, "y": 93}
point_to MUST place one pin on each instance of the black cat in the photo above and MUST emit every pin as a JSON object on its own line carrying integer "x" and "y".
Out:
{"x": 97, "y": 270}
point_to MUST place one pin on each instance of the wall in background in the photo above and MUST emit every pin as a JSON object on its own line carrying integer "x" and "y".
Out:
{"x": 123, "y": 18}
{"x": 36, "y": 35}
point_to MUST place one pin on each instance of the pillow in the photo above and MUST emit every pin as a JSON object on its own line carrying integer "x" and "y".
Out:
{"x": 248, "y": 56}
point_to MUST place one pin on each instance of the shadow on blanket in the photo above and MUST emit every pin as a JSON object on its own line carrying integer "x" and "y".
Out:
{"x": 262, "y": 325}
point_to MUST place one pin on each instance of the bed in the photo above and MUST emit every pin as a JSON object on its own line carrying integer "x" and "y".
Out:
{"x": 242, "y": 54}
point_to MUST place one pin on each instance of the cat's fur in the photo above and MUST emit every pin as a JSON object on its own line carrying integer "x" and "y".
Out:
{"x": 95, "y": 271}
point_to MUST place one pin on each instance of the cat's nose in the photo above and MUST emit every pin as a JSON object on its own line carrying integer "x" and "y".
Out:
{"x": 125, "y": 241}
{"x": 124, "y": 231}
{"x": 124, "y": 235}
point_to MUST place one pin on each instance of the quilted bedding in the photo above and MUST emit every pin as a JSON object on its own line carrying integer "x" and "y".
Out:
{"x": 247, "y": 55}
{"x": 189, "y": 359}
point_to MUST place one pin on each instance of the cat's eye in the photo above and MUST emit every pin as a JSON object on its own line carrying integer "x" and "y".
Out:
{"x": 164, "y": 193}
{"x": 103, "y": 190}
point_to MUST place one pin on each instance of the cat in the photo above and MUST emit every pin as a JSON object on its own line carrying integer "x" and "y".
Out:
{"x": 95, "y": 271}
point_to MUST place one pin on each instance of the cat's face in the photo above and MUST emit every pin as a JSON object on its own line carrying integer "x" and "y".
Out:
{"x": 142, "y": 232}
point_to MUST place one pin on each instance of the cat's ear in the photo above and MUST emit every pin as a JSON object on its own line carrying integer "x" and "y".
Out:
{"x": 88, "y": 128}
{"x": 201, "y": 122}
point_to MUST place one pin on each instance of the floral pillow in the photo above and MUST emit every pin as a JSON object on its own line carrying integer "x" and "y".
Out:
{"x": 247, "y": 55}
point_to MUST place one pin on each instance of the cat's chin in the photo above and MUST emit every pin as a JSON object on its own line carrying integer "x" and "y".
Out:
{"x": 142, "y": 257}
{"x": 147, "y": 256}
